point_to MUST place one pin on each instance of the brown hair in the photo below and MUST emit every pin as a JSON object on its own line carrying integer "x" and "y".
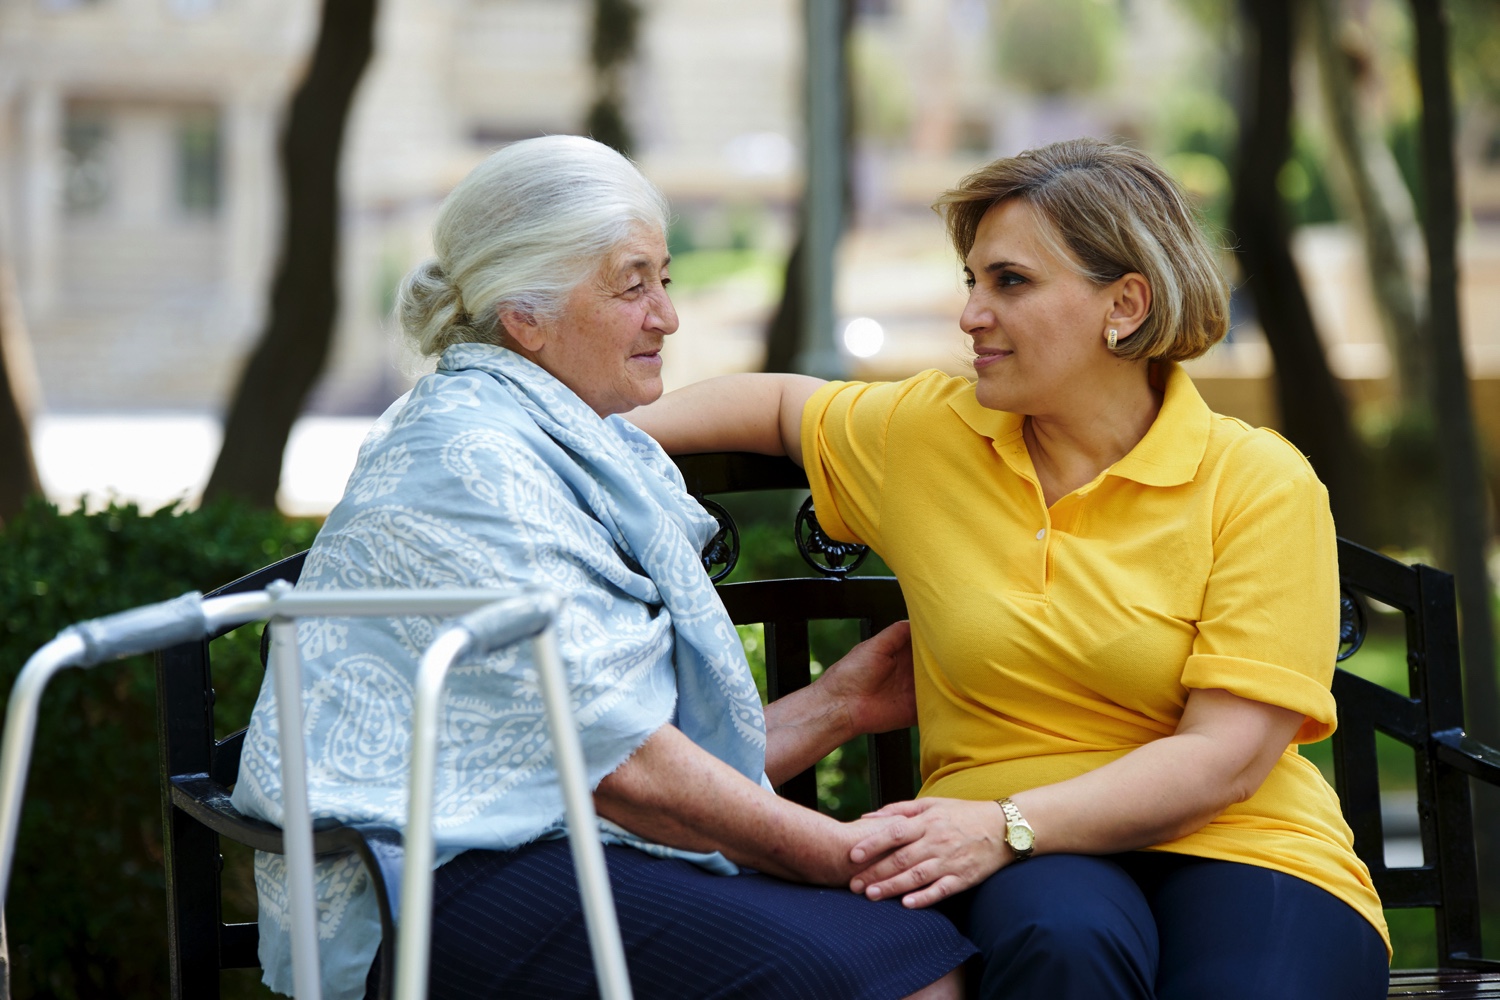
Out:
{"x": 1115, "y": 211}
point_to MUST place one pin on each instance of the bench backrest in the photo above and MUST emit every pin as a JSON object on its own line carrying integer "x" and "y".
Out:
{"x": 1429, "y": 719}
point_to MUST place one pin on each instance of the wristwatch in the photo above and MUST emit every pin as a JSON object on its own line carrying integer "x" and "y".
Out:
{"x": 1018, "y": 833}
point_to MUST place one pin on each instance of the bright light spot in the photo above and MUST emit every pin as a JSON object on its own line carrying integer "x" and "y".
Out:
{"x": 863, "y": 337}
{"x": 760, "y": 154}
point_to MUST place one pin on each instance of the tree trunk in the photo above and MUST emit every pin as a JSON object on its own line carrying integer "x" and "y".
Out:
{"x": 785, "y": 337}
{"x": 1314, "y": 412}
{"x": 1406, "y": 507}
{"x": 18, "y": 476}
{"x": 1467, "y": 516}
{"x": 304, "y": 295}
{"x": 611, "y": 46}
{"x": 1377, "y": 200}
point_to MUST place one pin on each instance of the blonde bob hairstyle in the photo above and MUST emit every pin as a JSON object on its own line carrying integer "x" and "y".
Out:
{"x": 1110, "y": 210}
{"x": 520, "y": 232}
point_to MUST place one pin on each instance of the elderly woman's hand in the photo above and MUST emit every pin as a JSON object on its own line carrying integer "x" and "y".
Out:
{"x": 868, "y": 691}
{"x": 873, "y": 682}
{"x": 932, "y": 849}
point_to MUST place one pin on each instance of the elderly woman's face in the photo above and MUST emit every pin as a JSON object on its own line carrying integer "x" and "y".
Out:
{"x": 606, "y": 344}
{"x": 1038, "y": 325}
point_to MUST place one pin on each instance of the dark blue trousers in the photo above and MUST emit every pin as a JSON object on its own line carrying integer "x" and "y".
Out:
{"x": 509, "y": 926}
{"x": 1155, "y": 926}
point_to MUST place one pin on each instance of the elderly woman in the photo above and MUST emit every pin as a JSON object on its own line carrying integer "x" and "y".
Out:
{"x": 547, "y": 306}
{"x": 1123, "y": 610}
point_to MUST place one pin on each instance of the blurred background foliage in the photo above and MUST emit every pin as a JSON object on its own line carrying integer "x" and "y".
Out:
{"x": 87, "y": 906}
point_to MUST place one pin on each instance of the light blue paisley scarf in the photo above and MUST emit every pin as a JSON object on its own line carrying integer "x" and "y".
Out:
{"x": 491, "y": 473}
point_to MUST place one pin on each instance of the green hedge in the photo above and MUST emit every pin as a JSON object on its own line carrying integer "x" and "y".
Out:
{"x": 86, "y": 913}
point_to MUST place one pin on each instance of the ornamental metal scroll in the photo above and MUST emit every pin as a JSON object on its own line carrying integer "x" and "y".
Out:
{"x": 1354, "y": 623}
{"x": 724, "y": 548}
{"x": 812, "y": 542}
{"x": 828, "y": 557}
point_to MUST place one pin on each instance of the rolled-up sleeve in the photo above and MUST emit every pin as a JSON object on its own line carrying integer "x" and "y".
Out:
{"x": 1269, "y": 625}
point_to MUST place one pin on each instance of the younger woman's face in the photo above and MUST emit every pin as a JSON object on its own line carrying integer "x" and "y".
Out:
{"x": 1038, "y": 325}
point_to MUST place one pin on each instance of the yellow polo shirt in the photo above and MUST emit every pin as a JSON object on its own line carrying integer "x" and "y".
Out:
{"x": 1050, "y": 641}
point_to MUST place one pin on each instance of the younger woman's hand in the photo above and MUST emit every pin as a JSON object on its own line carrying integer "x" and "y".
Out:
{"x": 931, "y": 849}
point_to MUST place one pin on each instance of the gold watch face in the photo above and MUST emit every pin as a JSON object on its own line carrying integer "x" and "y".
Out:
{"x": 1020, "y": 838}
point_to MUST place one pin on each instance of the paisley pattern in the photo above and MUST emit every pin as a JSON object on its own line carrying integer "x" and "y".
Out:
{"x": 491, "y": 473}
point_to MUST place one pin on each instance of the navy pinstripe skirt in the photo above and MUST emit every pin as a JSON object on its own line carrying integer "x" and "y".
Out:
{"x": 509, "y": 924}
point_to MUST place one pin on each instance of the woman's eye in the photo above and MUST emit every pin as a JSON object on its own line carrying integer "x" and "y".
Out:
{"x": 968, "y": 281}
{"x": 1009, "y": 278}
{"x": 665, "y": 281}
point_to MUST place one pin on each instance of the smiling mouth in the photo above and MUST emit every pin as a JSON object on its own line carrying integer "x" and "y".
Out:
{"x": 989, "y": 355}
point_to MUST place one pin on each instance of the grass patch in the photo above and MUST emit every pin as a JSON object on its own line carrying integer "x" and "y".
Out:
{"x": 694, "y": 270}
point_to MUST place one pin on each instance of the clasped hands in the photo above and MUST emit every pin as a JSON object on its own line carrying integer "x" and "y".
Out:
{"x": 929, "y": 849}
{"x": 923, "y": 850}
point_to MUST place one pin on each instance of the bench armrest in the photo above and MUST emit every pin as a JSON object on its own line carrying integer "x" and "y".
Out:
{"x": 1466, "y": 754}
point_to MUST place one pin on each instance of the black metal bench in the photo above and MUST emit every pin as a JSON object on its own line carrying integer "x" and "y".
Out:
{"x": 197, "y": 770}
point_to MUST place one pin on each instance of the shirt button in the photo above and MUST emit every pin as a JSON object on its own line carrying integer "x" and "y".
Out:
{"x": 1041, "y": 534}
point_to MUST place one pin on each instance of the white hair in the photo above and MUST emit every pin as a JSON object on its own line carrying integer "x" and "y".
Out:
{"x": 520, "y": 232}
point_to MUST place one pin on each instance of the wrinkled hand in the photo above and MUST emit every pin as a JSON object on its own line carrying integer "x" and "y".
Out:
{"x": 933, "y": 848}
{"x": 836, "y": 866}
{"x": 874, "y": 682}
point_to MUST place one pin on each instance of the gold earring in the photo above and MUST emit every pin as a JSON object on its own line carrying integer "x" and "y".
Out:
{"x": 1111, "y": 337}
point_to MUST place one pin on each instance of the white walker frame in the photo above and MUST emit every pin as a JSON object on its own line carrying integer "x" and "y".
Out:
{"x": 492, "y": 620}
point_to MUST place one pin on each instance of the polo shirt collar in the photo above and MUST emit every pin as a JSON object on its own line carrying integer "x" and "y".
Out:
{"x": 1169, "y": 454}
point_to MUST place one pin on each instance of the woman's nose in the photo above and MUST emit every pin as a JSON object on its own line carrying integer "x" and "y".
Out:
{"x": 976, "y": 317}
{"x": 663, "y": 315}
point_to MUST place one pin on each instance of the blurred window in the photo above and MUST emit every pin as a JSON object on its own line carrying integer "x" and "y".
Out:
{"x": 199, "y": 166}
{"x": 88, "y": 170}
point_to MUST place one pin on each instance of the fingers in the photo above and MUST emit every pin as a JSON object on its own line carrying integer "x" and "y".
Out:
{"x": 909, "y": 807}
{"x": 938, "y": 891}
{"x": 929, "y": 853}
{"x": 920, "y": 880}
{"x": 891, "y": 639}
{"x": 882, "y": 840}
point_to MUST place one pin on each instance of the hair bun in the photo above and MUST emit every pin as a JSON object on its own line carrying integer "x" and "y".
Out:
{"x": 430, "y": 309}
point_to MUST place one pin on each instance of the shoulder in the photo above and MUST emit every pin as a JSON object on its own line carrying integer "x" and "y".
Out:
{"x": 1255, "y": 465}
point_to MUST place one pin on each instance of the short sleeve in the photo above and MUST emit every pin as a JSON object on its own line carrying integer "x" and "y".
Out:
{"x": 1269, "y": 625}
{"x": 845, "y": 431}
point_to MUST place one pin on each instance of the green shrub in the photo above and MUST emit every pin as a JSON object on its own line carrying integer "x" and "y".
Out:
{"x": 86, "y": 908}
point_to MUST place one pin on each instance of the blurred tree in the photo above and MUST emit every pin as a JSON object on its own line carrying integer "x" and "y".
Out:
{"x": 1467, "y": 513}
{"x": 1476, "y": 48}
{"x": 1057, "y": 46}
{"x": 1314, "y": 412}
{"x": 785, "y": 336}
{"x": 1376, "y": 197}
{"x": 616, "y": 28}
{"x": 18, "y": 477}
{"x": 304, "y": 293}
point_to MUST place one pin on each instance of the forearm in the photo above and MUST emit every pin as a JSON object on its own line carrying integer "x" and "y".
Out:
{"x": 869, "y": 690}
{"x": 803, "y": 728}
{"x": 1159, "y": 792}
{"x": 675, "y": 793}
{"x": 1221, "y": 753}
{"x": 752, "y": 412}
